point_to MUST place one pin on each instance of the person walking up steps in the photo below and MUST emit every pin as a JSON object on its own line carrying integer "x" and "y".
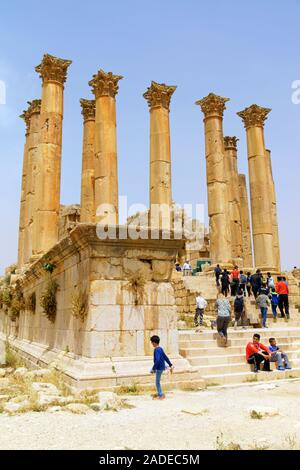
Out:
{"x": 256, "y": 282}
{"x": 239, "y": 309}
{"x": 243, "y": 282}
{"x": 160, "y": 358}
{"x": 218, "y": 272}
{"x": 225, "y": 282}
{"x": 223, "y": 310}
{"x": 201, "y": 305}
{"x": 274, "y": 303}
{"x": 283, "y": 300}
{"x": 263, "y": 301}
{"x": 249, "y": 284}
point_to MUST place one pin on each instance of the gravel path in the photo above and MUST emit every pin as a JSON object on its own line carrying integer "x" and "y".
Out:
{"x": 163, "y": 425}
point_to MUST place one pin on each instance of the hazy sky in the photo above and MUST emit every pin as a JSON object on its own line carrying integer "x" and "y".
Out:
{"x": 247, "y": 51}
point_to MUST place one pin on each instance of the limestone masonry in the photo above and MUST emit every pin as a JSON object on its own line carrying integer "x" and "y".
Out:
{"x": 89, "y": 304}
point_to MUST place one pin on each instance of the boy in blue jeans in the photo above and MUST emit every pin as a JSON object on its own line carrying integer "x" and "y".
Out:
{"x": 160, "y": 358}
{"x": 278, "y": 355}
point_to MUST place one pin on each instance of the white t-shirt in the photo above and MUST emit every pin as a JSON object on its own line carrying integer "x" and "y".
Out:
{"x": 201, "y": 302}
{"x": 187, "y": 266}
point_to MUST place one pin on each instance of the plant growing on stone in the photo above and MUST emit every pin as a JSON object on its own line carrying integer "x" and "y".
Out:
{"x": 17, "y": 302}
{"x": 79, "y": 304}
{"x": 48, "y": 300}
{"x": 6, "y": 296}
{"x": 136, "y": 286}
{"x": 49, "y": 267}
{"x": 30, "y": 302}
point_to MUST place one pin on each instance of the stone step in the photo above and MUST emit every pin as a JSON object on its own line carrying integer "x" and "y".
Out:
{"x": 232, "y": 368}
{"x": 209, "y": 343}
{"x": 186, "y": 335}
{"x": 218, "y": 351}
{"x": 231, "y": 358}
{"x": 249, "y": 377}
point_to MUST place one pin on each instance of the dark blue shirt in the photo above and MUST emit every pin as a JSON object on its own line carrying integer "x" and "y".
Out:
{"x": 273, "y": 348}
{"x": 160, "y": 358}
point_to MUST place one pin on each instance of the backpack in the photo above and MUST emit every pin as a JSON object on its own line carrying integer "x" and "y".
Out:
{"x": 243, "y": 279}
{"x": 239, "y": 304}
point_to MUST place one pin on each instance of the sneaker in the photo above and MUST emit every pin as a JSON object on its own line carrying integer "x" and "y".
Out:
{"x": 280, "y": 368}
{"x": 288, "y": 368}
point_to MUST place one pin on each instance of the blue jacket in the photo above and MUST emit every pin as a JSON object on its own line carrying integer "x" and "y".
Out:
{"x": 160, "y": 358}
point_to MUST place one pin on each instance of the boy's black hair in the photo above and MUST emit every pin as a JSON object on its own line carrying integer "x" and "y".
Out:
{"x": 248, "y": 273}
{"x": 273, "y": 289}
{"x": 269, "y": 274}
{"x": 256, "y": 335}
{"x": 155, "y": 339}
{"x": 279, "y": 278}
{"x": 271, "y": 339}
{"x": 241, "y": 272}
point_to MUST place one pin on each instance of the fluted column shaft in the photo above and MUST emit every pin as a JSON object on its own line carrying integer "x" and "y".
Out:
{"x": 245, "y": 222}
{"x": 22, "y": 220}
{"x": 87, "y": 201}
{"x": 33, "y": 143}
{"x": 262, "y": 226}
{"x": 220, "y": 241}
{"x": 53, "y": 72}
{"x": 276, "y": 243}
{"x": 105, "y": 88}
{"x": 159, "y": 97}
{"x": 234, "y": 208}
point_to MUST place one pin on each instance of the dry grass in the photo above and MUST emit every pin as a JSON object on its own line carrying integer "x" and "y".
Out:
{"x": 48, "y": 300}
{"x": 136, "y": 286}
{"x": 133, "y": 389}
{"x": 12, "y": 359}
{"x": 221, "y": 445}
{"x": 79, "y": 304}
{"x": 255, "y": 415}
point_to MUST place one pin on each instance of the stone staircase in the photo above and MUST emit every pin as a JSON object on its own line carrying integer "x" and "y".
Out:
{"x": 227, "y": 365}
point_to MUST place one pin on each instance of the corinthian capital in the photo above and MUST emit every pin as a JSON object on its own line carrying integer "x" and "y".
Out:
{"x": 88, "y": 109}
{"x": 159, "y": 95}
{"x": 254, "y": 116}
{"x": 213, "y": 105}
{"x": 34, "y": 107}
{"x": 105, "y": 84}
{"x": 54, "y": 69}
{"x": 230, "y": 142}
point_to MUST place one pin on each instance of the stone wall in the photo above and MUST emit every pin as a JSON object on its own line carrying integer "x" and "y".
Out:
{"x": 127, "y": 284}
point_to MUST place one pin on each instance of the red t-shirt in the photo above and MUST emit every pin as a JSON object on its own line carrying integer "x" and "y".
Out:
{"x": 235, "y": 274}
{"x": 281, "y": 288}
{"x": 252, "y": 348}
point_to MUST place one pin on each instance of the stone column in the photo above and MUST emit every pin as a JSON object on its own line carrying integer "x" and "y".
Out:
{"x": 245, "y": 223}
{"x": 105, "y": 88}
{"x": 262, "y": 227}
{"x": 53, "y": 72}
{"x": 213, "y": 107}
{"x": 22, "y": 220}
{"x": 276, "y": 243}
{"x": 231, "y": 170}
{"x": 87, "y": 203}
{"x": 158, "y": 97}
{"x": 33, "y": 142}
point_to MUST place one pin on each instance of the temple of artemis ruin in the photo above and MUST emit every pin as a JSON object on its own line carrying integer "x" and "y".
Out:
{"x": 111, "y": 295}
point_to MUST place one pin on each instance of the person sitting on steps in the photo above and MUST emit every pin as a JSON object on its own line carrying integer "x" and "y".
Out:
{"x": 256, "y": 353}
{"x": 278, "y": 355}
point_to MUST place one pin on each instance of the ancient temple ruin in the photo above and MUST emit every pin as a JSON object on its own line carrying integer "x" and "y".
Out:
{"x": 111, "y": 294}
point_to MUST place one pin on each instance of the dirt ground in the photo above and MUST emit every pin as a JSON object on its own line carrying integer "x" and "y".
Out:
{"x": 224, "y": 424}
